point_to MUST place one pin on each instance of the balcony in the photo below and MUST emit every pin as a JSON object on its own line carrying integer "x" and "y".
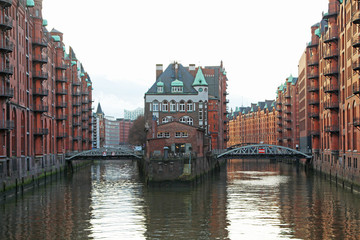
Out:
{"x": 6, "y": 125}
{"x": 279, "y": 130}
{"x": 287, "y": 95}
{"x": 61, "y": 117}
{"x": 331, "y": 35}
{"x": 61, "y": 79}
{"x": 40, "y": 75}
{"x": 84, "y": 127}
{"x": 76, "y": 83}
{"x": 5, "y": 3}
{"x": 279, "y": 109}
{"x": 76, "y": 124}
{"x": 279, "y": 123}
{"x": 76, "y": 94}
{"x": 61, "y": 135}
{"x": 61, "y": 104}
{"x": 77, "y": 113}
{"x": 332, "y": 129}
{"x": 356, "y": 89}
{"x": 225, "y": 93}
{"x": 288, "y": 112}
{"x": 313, "y": 88}
{"x": 287, "y": 104}
{"x": 279, "y": 103}
{"x": 61, "y": 66}
{"x": 40, "y": 58}
{"x": 314, "y": 102}
{"x": 356, "y": 66}
{"x": 288, "y": 119}
{"x": 41, "y": 131}
{"x": 313, "y": 75}
{"x": 333, "y": 10}
{"x": 279, "y": 116}
{"x": 84, "y": 119}
{"x": 313, "y": 61}
{"x": 77, "y": 138}
{"x": 356, "y": 17}
{"x": 331, "y": 105}
{"x": 331, "y": 53}
{"x": 7, "y": 92}
{"x": 6, "y": 46}
{"x": 356, "y": 41}
{"x": 62, "y": 91}
{"x": 41, "y": 108}
{"x": 314, "y": 114}
{"x": 76, "y": 103}
{"x": 331, "y": 71}
{"x": 87, "y": 93}
{"x": 39, "y": 42}
{"x": 313, "y": 43}
{"x": 41, "y": 92}
{"x": 315, "y": 133}
{"x": 85, "y": 110}
{"x": 6, "y": 23}
{"x": 6, "y": 70}
{"x": 331, "y": 89}
{"x": 356, "y": 122}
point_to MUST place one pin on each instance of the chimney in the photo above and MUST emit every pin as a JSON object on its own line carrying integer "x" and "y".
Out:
{"x": 159, "y": 70}
{"x": 192, "y": 69}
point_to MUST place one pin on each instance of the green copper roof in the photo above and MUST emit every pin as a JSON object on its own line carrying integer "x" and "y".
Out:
{"x": 252, "y": 109}
{"x": 266, "y": 106}
{"x": 73, "y": 63}
{"x": 243, "y": 112}
{"x": 273, "y": 104}
{"x": 340, "y": 1}
{"x": 236, "y": 109}
{"x": 199, "y": 79}
{"x": 82, "y": 74}
{"x": 87, "y": 80}
{"x": 177, "y": 83}
{"x": 30, "y": 3}
{"x": 45, "y": 23}
{"x": 88, "y": 84}
{"x": 318, "y": 32}
{"x": 281, "y": 87}
{"x": 290, "y": 79}
{"x": 56, "y": 38}
{"x": 160, "y": 84}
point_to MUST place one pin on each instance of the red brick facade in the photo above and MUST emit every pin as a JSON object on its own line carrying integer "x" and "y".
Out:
{"x": 45, "y": 94}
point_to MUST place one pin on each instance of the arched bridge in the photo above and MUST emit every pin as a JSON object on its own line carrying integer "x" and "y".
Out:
{"x": 263, "y": 151}
{"x": 104, "y": 154}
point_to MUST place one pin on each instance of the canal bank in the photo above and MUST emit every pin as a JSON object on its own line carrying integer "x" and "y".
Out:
{"x": 20, "y": 172}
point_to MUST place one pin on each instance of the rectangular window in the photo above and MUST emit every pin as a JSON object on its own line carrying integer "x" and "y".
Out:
{"x": 160, "y": 135}
{"x": 190, "y": 107}
{"x": 184, "y": 134}
{"x": 165, "y": 107}
{"x": 155, "y": 107}
{"x": 177, "y": 134}
{"x": 167, "y": 135}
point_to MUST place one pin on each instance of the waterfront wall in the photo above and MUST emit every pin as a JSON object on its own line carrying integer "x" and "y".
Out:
{"x": 177, "y": 169}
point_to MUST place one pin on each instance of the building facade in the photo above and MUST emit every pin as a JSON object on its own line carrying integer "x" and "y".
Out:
{"x": 181, "y": 94}
{"x": 39, "y": 82}
{"x": 319, "y": 111}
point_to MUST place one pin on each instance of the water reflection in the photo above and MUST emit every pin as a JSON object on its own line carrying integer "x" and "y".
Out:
{"x": 250, "y": 199}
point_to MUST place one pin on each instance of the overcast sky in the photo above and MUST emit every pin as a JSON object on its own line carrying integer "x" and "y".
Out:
{"x": 119, "y": 42}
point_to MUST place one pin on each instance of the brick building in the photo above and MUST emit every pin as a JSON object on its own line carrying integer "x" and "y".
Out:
{"x": 39, "y": 83}
{"x": 124, "y": 130}
{"x": 254, "y": 124}
{"x": 319, "y": 112}
{"x": 187, "y": 95}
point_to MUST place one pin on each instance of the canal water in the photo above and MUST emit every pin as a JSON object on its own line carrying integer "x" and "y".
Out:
{"x": 248, "y": 199}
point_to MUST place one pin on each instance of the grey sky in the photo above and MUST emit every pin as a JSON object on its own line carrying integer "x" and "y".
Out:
{"x": 119, "y": 42}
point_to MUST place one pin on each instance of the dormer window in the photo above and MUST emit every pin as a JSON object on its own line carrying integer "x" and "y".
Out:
{"x": 160, "y": 89}
{"x": 177, "y": 89}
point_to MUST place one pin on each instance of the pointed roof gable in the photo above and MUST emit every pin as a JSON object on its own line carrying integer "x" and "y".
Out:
{"x": 99, "y": 110}
{"x": 199, "y": 79}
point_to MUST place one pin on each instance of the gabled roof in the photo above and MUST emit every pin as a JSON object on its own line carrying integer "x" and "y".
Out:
{"x": 199, "y": 79}
{"x": 99, "y": 110}
{"x": 55, "y": 31}
{"x": 171, "y": 75}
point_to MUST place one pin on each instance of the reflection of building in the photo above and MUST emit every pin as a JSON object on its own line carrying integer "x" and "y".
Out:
{"x": 183, "y": 95}
{"x": 45, "y": 94}
{"x": 133, "y": 115}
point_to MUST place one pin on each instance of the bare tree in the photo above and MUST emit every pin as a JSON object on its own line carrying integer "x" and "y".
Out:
{"x": 137, "y": 134}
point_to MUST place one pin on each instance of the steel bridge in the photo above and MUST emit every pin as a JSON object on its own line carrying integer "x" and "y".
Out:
{"x": 263, "y": 151}
{"x": 104, "y": 154}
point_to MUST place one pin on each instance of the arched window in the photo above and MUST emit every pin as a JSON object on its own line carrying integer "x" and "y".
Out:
{"x": 187, "y": 120}
{"x": 182, "y": 106}
{"x": 167, "y": 119}
{"x": 155, "y": 106}
{"x": 165, "y": 106}
{"x": 172, "y": 106}
{"x": 190, "y": 106}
